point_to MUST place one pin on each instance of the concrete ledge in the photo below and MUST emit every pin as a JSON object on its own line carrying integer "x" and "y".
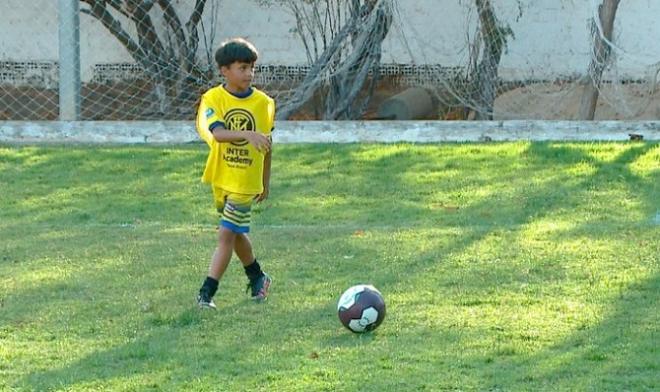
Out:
{"x": 168, "y": 132}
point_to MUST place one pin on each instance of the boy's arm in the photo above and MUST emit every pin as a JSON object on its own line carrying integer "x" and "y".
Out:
{"x": 266, "y": 177}
{"x": 269, "y": 155}
{"x": 258, "y": 140}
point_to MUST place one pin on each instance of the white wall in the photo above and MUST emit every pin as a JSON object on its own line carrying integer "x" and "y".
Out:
{"x": 551, "y": 36}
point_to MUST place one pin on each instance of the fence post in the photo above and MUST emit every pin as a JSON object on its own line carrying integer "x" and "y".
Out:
{"x": 69, "y": 59}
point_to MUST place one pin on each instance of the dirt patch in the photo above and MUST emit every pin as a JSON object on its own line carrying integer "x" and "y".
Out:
{"x": 631, "y": 101}
{"x": 129, "y": 101}
{"x": 113, "y": 102}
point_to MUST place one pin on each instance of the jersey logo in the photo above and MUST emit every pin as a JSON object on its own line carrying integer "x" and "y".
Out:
{"x": 209, "y": 113}
{"x": 240, "y": 120}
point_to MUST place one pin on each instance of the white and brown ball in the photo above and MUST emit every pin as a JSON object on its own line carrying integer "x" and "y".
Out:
{"x": 361, "y": 308}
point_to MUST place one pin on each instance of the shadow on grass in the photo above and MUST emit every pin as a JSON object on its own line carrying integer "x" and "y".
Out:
{"x": 173, "y": 351}
{"x": 503, "y": 213}
{"x": 54, "y": 185}
{"x": 387, "y": 201}
{"x": 619, "y": 353}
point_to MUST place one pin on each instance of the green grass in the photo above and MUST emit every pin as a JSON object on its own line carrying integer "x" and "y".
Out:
{"x": 505, "y": 267}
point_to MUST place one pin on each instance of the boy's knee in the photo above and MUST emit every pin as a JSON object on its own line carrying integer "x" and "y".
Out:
{"x": 226, "y": 235}
{"x": 242, "y": 236}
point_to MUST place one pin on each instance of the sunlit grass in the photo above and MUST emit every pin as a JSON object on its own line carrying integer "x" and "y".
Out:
{"x": 506, "y": 266}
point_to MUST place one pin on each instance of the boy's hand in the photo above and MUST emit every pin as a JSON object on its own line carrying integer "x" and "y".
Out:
{"x": 263, "y": 196}
{"x": 259, "y": 141}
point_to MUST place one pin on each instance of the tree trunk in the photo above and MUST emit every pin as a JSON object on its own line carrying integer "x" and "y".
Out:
{"x": 343, "y": 68}
{"x": 494, "y": 39}
{"x": 345, "y": 86}
{"x": 601, "y": 53}
{"x": 171, "y": 67}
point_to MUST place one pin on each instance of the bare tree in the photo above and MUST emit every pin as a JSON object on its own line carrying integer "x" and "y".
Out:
{"x": 602, "y": 30}
{"x": 343, "y": 44}
{"x": 168, "y": 58}
{"x": 494, "y": 36}
{"x": 475, "y": 89}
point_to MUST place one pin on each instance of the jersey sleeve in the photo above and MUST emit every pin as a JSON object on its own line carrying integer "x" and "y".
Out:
{"x": 207, "y": 120}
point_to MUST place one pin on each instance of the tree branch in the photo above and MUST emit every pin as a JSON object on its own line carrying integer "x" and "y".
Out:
{"x": 100, "y": 12}
{"x": 191, "y": 26}
{"x": 313, "y": 80}
{"x": 147, "y": 36}
{"x": 172, "y": 20}
{"x": 602, "y": 36}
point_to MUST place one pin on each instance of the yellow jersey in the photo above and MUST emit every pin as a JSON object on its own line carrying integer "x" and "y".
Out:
{"x": 235, "y": 166}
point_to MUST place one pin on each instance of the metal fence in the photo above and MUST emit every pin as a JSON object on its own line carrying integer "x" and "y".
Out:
{"x": 72, "y": 60}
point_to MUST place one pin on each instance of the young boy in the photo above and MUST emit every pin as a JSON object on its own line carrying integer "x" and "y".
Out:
{"x": 236, "y": 121}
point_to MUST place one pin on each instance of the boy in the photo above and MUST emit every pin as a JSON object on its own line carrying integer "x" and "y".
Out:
{"x": 236, "y": 121}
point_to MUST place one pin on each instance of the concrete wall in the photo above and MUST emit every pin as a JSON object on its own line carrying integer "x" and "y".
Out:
{"x": 551, "y": 36}
{"x": 165, "y": 132}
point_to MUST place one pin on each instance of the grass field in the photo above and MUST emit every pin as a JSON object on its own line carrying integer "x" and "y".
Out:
{"x": 505, "y": 267}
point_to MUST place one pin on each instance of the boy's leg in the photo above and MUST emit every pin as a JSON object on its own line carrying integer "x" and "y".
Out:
{"x": 219, "y": 262}
{"x": 243, "y": 249}
{"x": 222, "y": 254}
{"x": 234, "y": 226}
{"x": 259, "y": 282}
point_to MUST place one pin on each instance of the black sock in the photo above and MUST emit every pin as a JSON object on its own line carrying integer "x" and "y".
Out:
{"x": 253, "y": 271}
{"x": 210, "y": 286}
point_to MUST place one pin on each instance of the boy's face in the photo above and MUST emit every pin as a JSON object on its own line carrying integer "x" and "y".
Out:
{"x": 238, "y": 75}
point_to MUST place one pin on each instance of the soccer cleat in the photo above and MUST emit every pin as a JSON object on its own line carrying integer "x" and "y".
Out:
{"x": 205, "y": 301}
{"x": 259, "y": 288}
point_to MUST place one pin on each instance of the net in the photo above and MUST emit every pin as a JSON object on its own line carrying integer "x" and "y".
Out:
{"x": 541, "y": 69}
{"x": 337, "y": 59}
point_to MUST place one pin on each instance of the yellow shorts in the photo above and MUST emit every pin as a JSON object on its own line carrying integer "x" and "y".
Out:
{"x": 234, "y": 209}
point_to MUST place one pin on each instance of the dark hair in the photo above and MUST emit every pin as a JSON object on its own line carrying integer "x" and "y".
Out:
{"x": 236, "y": 50}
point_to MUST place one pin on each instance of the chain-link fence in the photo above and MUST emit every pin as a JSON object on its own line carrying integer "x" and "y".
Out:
{"x": 473, "y": 59}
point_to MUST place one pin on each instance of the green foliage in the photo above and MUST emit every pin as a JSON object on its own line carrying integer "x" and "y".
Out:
{"x": 518, "y": 266}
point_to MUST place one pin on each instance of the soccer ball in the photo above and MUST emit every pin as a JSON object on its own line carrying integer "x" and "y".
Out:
{"x": 361, "y": 308}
